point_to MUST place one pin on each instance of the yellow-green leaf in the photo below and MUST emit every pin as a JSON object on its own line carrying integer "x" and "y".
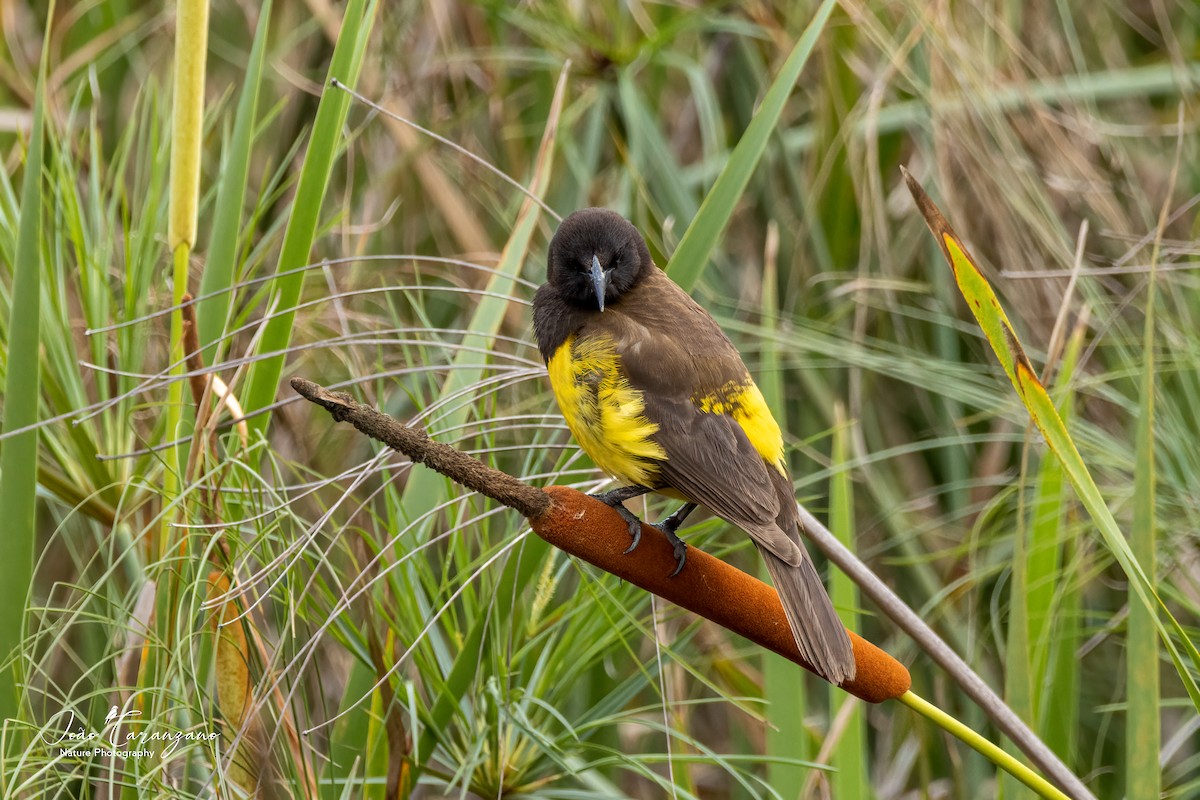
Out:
{"x": 999, "y": 332}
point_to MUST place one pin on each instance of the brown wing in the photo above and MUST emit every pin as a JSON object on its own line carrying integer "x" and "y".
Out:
{"x": 673, "y": 351}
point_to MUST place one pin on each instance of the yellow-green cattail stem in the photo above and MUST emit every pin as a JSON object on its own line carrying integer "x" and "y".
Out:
{"x": 187, "y": 126}
{"x": 990, "y": 751}
{"x": 187, "y": 130}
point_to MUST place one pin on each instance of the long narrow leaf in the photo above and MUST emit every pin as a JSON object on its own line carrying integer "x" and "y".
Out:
{"x": 852, "y": 778}
{"x": 1018, "y": 688}
{"x": 1143, "y": 777}
{"x": 1003, "y": 339}
{"x": 323, "y": 146}
{"x": 690, "y": 258}
{"x": 1060, "y": 718}
{"x": 213, "y": 311}
{"x": 1051, "y": 586}
{"x": 18, "y": 456}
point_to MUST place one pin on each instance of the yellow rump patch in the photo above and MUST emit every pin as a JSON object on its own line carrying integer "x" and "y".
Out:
{"x": 745, "y": 403}
{"x": 605, "y": 414}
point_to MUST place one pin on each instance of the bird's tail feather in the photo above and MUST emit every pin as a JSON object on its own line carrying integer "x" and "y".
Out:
{"x": 820, "y": 635}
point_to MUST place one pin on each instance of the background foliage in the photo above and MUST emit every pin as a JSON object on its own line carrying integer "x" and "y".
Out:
{"x": 461, "y": 653}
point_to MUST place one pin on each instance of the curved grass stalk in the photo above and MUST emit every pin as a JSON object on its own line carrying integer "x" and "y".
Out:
{"x": 169, "y": 374}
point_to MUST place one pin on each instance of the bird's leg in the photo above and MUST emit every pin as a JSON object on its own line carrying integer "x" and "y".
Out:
{"x": 671, "y": 524}
{"x": 615, "y": 499}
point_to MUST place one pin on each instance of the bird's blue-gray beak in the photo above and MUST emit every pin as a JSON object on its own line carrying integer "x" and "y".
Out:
{"x": 599, "y": 281}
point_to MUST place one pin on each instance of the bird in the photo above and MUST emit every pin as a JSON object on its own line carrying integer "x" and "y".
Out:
{"x": 657, "y": 395}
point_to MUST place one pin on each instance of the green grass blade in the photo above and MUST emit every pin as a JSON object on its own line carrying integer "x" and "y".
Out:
{"x": 835, "y": 205}
{"x": 1051, "y": 587}
{"x": 323, "y": 147}
{"x": 1018, "y": 681}
{"x": 19, "y": 455}
{"x": 691, "y": 257}
{"x": 219, "y": 267}
{"x": 457, "y": 684}
{"x": 650, "y": 156}
{"x": 1143, "y": 776}
{"x": 519, "y": 571}
{"x": 1035, "y": 575}
{"x": 1043, "y": 558}
{"x": 1060, "y": 718}
{"x": 357, "y": 736}
{"x": 852, "y": 778}
{"x": 783, "y": 685}
{"x": 1003, "y": 339}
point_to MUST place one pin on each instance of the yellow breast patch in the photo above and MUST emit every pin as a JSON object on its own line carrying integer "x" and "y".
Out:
{"x": 605, "y": 414}
{"x": 745, "y": 403}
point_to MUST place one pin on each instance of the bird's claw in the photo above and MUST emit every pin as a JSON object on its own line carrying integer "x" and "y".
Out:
{"x": 680, "y": 545}
{"x": 615, "y": 500}
{"x": 680, "y": 556}
{"x": 636, "y": 535}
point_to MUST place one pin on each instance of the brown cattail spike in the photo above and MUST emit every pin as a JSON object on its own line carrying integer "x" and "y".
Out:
{"x": 586, "y": 527}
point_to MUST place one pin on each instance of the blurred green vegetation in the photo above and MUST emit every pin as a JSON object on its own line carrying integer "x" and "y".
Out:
{"x": 464, "y": 654}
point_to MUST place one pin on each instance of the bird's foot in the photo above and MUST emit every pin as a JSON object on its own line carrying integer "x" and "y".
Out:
{"x": 615, "y": 500}
{"x": 635, "y": 528}
{"x": 668, "y": 526}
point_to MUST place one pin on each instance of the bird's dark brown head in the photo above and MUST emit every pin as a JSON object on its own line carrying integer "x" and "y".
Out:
{"x": 595, "y": 256}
